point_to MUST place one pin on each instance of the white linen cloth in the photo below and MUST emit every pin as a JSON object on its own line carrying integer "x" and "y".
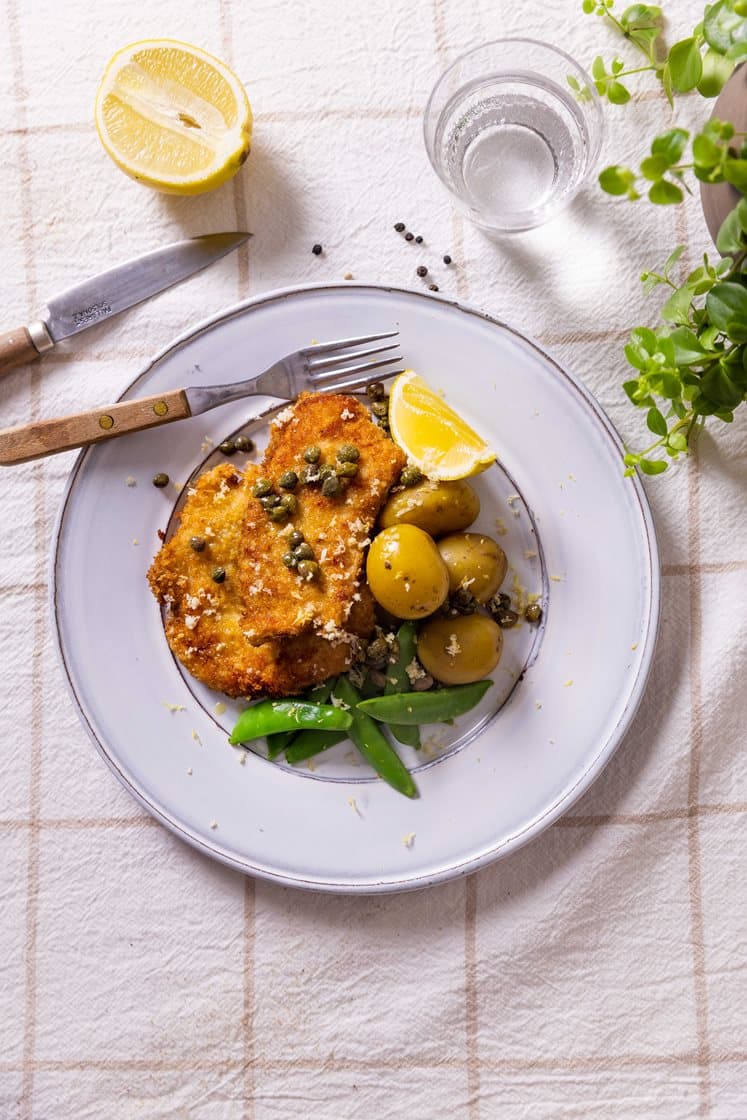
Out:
{"x": 598, "y": 972}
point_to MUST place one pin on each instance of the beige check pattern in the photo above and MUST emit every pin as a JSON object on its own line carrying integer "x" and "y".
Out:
{"x": 600, "y": 971}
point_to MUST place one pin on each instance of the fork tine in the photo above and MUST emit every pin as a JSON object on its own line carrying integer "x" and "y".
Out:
{"x": 349, "y": 371}
{"x": 355, "y": 382}
{"x": 341, "y": 343}
{"x": 320, "y": 367}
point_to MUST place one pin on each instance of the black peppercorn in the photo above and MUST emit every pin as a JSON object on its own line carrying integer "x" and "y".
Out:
{"x": 421, "y": 270}
{"x": 433, "y": 287}
{"x": 400, "y": 227}
{"x": 409, "y": 236}
{"x": 316, "y": 249}
{"x": 447, "y": 259}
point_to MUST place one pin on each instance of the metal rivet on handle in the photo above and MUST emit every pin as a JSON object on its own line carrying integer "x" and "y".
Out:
{"x": 160, "y": 408}
{"x": 106, "y": 422}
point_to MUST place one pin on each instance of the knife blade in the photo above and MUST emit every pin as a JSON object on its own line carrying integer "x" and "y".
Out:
{"x": 113, "y": 291}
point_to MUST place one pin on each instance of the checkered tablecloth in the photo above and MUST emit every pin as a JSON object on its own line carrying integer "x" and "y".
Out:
{"x": 599, "y": 972}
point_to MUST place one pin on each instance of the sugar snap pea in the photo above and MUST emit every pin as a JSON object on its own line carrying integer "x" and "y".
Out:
{"x": 306, "y": 744}
{"x": 397, "y": 680}
{"x": 425, "y": 707}
{"x": 373, "y": 744}
{"x": 281, "y": 740}
{"x": 270, "y": 716}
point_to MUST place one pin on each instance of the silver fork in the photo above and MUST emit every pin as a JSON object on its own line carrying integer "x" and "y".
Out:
{"x": 325, "y": 368}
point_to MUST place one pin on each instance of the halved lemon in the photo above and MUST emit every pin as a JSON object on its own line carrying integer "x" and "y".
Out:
{"x": 173, "y": 117}
{"x": 431, "y": 434}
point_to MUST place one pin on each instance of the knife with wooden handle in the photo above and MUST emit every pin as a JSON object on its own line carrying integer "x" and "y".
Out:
{"x": 113, "y": 291}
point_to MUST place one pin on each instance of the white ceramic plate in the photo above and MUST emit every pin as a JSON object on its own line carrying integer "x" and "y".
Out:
{"x": 576, "y": 532}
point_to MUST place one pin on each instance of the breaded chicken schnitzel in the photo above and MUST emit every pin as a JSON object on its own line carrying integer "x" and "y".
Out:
{"x": 205, "y": 619}
{"x": 336, "y": 527}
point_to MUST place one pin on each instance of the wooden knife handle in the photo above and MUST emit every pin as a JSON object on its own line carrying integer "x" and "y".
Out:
{"x": 16, "y": 348}
{"x": 46, "y": 437}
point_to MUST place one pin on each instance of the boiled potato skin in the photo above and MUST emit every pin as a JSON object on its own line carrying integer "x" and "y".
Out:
{"x": 405, "y": 572}
{"x": 460, "y": 650}
{"x": 437, "y": 508}
{"x": 475, "y": 562}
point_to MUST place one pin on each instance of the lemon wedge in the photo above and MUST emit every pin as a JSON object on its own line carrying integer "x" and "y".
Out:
{"x": 431, "y": 434}
{"x": 172, "y": 116}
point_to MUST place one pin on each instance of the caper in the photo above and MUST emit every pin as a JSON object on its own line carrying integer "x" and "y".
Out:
{"x": 304, "y": 551}
{"x": 331, "y": 486}
{"x": 348, "y": 453}
{"x": 308, "y": 570}
{"x": 288, "y": 480}
{"x": 342, "y": 483}
{"x": 219, "y": 574}
{"x": 499, "y": 602}
{"x": 262, "y": 487}
{"x": 411, "y": 476}
{"x": 278, "y": 514}
{"x": 377, "y": 652}
{"x": 289, "y": 502}
{"x": 533, "y": 613}
{"x": 347, "y": 470}
{"x": 295, "y": 539}
{"x": 312, "y": 454}
{"x": 380, "y": 408}
{"x": 228, "y": 447}
{"x": 290, "y": 560}
{"x": 376, "y": 391}
{"x": 309, "y": 475}
{"x": 243, "y": 443}
{"x": 160, "y": 480}
{"x": 197, "y": 543}
{"x": 463, "y": 601}
{"x": 326, "y": 471}
{"x": 506, "y": 619}
{"x": 269, "y": 501}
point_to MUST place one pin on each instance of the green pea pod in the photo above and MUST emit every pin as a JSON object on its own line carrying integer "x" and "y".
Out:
{"x": 278, "y": 742}
{"x": 373, "y": 744}
{"x": 281, "y": 740}
{"x": 306, "y": 744}
{"x": 271, "y": 716}
{"x": 425, "y": 707}
{"x": 397, "y": 680}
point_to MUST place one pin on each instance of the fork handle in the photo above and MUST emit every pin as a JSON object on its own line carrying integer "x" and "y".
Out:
{"x": 47, "y": 437}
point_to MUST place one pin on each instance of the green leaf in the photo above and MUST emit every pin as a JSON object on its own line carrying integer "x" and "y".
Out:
{"x": 685, "y": 65}
{"x": 598, "y": 69}
{"x": 672, "y": 259}
{"x": 706, "y": 152}
{"x": 726, "y": 304}
{"x": 723, "y": 26}
{"x": 665, "y": 193}
{"x": 666, "y": 81}
{"x": 616, "y": 179}
{"x": 654, "y": 168}
{"x": 730, "y": 237}
{"x": 677, "y": 441}
{"x": 716, "y": 72}
{"x": 677, "y": 307}
{"x": 573, "y": 82}
{"x": 653, "y": 466}
{"x": 656, "y": 422}
{"x": 719, "y": 388}
{"x": 687, "y": 347}
{"x": 735, "y": 172}
{"x": 670, "y": 145}
{"x": 589, "y": 6}
{"x": 617, "y": 93}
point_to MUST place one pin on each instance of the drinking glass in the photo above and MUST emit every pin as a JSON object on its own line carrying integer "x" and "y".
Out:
{"x": 512, "y": 129}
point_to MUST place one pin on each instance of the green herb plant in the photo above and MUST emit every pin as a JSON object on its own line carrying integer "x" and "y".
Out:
{"x": 693, "y": 365}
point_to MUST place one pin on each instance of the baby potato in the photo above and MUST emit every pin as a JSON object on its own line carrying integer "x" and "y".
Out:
{"x": 476, "y": 563}
{"x": 460, "y": 650}
{"x": 437, "y": 508}
{"x": 405, "y": 572}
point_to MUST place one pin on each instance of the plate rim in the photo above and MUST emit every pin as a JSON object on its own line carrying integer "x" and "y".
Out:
{"x": 540, "y": 822}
